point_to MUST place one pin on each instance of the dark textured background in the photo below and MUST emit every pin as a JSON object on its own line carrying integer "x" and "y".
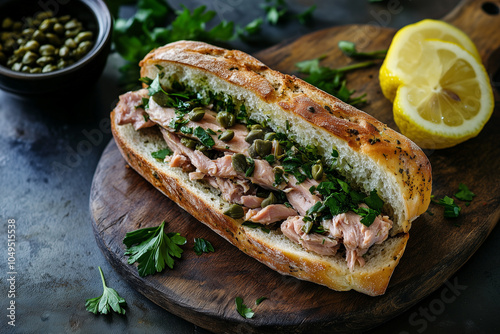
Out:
{"x": 48, "y": 155}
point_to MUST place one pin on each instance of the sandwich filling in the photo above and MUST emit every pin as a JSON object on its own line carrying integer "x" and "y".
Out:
{"x": 270, "y": 181}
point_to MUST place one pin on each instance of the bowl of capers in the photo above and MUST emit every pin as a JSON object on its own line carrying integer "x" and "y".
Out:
{"x": 52, "y": 46}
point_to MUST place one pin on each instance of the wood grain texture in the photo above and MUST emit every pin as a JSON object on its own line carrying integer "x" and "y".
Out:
{"x": 202, "y": 289}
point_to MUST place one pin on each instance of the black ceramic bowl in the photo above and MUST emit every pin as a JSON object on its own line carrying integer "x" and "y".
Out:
{"x": 94, "y": 15}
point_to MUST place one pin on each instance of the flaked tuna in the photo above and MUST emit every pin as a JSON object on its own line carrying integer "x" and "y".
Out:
{"x": 270, "y": 214}
{"x": 128, "y": 111}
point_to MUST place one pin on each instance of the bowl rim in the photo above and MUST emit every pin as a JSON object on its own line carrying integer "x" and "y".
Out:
{"x": 104, "y": 28}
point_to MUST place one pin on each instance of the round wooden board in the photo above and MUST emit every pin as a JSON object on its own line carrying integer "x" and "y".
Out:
{"x": 202, "y": 289}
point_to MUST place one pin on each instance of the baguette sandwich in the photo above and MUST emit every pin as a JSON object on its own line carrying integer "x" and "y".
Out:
{"x": 306, "y": 184}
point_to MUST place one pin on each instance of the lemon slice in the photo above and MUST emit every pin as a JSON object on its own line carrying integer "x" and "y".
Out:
{"x": 406, "y": 50}
{"x": 445, "y": 99}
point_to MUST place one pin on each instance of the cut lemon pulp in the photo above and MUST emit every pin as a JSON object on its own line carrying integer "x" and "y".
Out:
{"x": 446, "y": 100}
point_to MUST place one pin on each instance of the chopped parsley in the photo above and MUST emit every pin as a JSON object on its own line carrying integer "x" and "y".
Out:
{"x": 204, "y": 137}
{"x": 464, "y": 194}
{"x": 260, "y": 300}
{"x": 161, "y": 154}
{"x": 451, "y": 209}
{"x": 242, "y": 309}
{"x": 202, "y": 246}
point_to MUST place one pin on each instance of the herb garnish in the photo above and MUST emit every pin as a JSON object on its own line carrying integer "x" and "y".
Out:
{"x": 256, "y": 225}
{"x": 464, "y": 194}
{"x": 204, "y": 137}
{"x": 260, "y": 300}
{"x": 451, "y": 210}
{"x": 109, "y": 300}
{"x": 152, "y": 248}
{"x": 242, "y": 309}
{"x": 349, "y": 49}
{"x": 161, "y": 154}
{"x": 202, "y": 246}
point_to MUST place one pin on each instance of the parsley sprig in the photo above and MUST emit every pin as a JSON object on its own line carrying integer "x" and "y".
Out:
{"x": 242, "y": 309}
{"x": 109, "y": 300}
{"x": 452, "y": 209}
{"x": 202, "y": 246}
{"x": 153, "y": 249}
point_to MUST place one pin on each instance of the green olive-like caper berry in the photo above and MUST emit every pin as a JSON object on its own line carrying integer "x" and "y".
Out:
{"x": 72, "y": 24}
{"x": 189, "y": 143}
{"x": 7, "y": 23}
{"x": 71, "y": 33}
{"x": 160, "y": 98}
{"x": 38, "y": 36}
{"x": 270, "y": 136}
{"x": 53, "y": 39}
{"x": 235, "y": 211}
{"x": 29, "y": 58}
{"x": 31, "y": 46}
{"x": 64, "y": 19}
{"x": 83, "y": 36}
{"x": 12, "y": 60}
{"x": 49, "y": 68}
{"x": 70, "y": 43}
{"x": 253, "y": 135}
{"x": 227, "y": 135}
{"x": 239, "y": 162}
{"x": 64, "y": 52}
{"x": 82, "y": 49}
{"x": 225, "y": 119}
{"x": 307, "y": 227}
{"x": 28, "y": 31}
{"x": 256, "y": 127}
{"x": 271, "y": 199}
{"x": 44, "y": 15}
{"x": 317, "y": 171}
{"x": 16, "y": 66}
{"x": 25, "y": 69}
{"x": 58, "y": 28}
{"x": 262, "y": 147}
{"x": 36, "y": 70}
{"x": 197, "y": 114}
{"x": 47, "y": 50}
{"x": 46, "y": 25}
{"x": 42, "y": 61}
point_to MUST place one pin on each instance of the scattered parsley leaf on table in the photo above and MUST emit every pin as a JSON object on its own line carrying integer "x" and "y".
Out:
{"x": 451, "y": 209}
{"x": 242, "y": 309}
{"x": 349, "y": 49}
{"x": 109, "y": 300}
{"x": 152, "y": 249}
{"x": 202, "y": 246}
{"x": 260, "y": 300}
{"x": 464, "y": 194}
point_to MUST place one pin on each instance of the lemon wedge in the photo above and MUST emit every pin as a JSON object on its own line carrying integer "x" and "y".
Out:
{"x": 405, "y": 51}
{"x": 445, "y": 98}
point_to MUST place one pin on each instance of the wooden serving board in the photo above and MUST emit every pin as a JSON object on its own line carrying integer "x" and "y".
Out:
{"x": 202, "y": 289}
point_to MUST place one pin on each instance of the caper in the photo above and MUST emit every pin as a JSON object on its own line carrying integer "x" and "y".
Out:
{"x": 271, "y": 199}
{"x": 29, "y": 58}
{"x": 25, "y": 69}
{"x": 17, "y": 66}
{"x": 44, "y": 15}
{"x": 253, "y": 135}
{"x": 36, "y": 70}
{"x": 42, "y": 61}
{"x": 7, "y": 23}
{"x": 189, "y": 143}
{"x": 39, "y": 36}
{"x": 64, "y": 19}
{"x": 235, "y": 211}
{"x": 58, "y": 28}
{"x": 64, "y": 52}
{"x": 28, "y": 31}
{"x": 82, "y": 49}
{"x": 61, "y": 63}
{"x": 270, "y": 136}
{"x": 12, "y": 60}
{"x": 53, "y": 39}
{"x": 47, "y": 50}
{"x": 317, "y": 171}
{"x": 239, "y": 162}
{"x": 203, "y": 149}
{"x": 70, "y": 43}
{"x": 225, "y": 119}
{"x": 227, "y": 135}
{"x": 46, "y": 25}
{"x": 83, "y": 36}
{"x": 160, "y": 98}
{"x": 73, "y": 24}
{"x": 307, "y": 227}
{"x": 262, "y": 147}
{"x": 32, "y": 46}
{"x": 49, "y": 68}
{"x": 71, "y": 33}
{"x": 197, "y": 114}
{"x": 256, "y": 127}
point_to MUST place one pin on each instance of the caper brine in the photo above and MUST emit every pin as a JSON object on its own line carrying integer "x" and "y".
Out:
{"x": 43, "y": 43}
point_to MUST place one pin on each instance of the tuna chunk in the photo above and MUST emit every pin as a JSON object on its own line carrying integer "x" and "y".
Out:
{"x": 128, "y": 112}
{"x": 315, "y": 242}
{"x": 251, "y": 201}
{"x": 231, "y": 191}
{"x": 357, "y": 237}
{"x": 299, "y": 196}
{"x": 180, "y": 160}
{"x": 270, "y": 214}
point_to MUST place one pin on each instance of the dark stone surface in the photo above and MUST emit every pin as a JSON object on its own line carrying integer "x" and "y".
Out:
{"x": 48, "y": 155}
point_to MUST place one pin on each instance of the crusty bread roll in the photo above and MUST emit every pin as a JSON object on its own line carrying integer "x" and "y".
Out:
{"x": 370, "y": 156}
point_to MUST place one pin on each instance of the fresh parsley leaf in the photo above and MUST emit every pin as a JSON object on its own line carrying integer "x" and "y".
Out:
{"x": 202, "y": 246}
{"x": 464, "y": 194}
{"x": 109, "y": 300}
{"x": 152, "y": 249}
{"x": 161, "y": 154}
{"x": 451, "y": 210}
{"x": 256, "y": 225}
{"x": 368, "y": 215}
{"x": 260, "y": 300}
{"x": 253, "y": 27}
{"x": 349, "y": 49}
{"x": 306, "y": 16}
{"x": 270, "y": 158}
{"x": 242, "y": 309}
{"x": 374, "y": 201}
{"x": 204, "y": 137}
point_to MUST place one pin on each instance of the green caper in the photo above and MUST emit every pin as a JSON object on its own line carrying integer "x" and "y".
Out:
{"x": 47, "y": 50}
{"x": 160, "y": 98}
{"x": 64, "y": 19}
{"x": 227, "y": 135}
{"x": 17, "y": 66}
{"x": 256, "y": 127}
{"x": 25, "y": 69}
{"x": 53, "y": 39}
{"x": 262, "y": 147}
{"x": 71, "y": 33}
{"x": 42, "y": 61}
{"x": 7, "y": 23}
{"x": 58, "y": 28}
{"x": 39, "y": 36}
{"x": 28, "y": 31}
{"x": 239, "y": 162}
{"x": 46, "y": 25}
{"x": 271, "y": 199}
{"x": 307, "y": 227}
{"x": 197, "y": 114}
{"x": 73, "y": 24}
{"x": 270, "y": 136}
{"x": 31, "y": 46}
{"x": 203, "y": 149}
{"x": 70, "y": 43}
{"x": 49, "y": 68}
{"x": 82, "y": 49}
{"x": 61, "y": 63}
{"x": 317, "y": 171}
{"x": 235, "y": 211}
{"x": 64, "y": 52}
{"x": 225, "y": 119}
{"x": 36, "y": 70}
{"x": 253, "y": 135}
{"x": 189, "y": 143}
{"x": 44, "y": 15}
{"x": 83, "y": 36}
{"x": 29, "y": 58}
{"x": 12, "y": 60}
